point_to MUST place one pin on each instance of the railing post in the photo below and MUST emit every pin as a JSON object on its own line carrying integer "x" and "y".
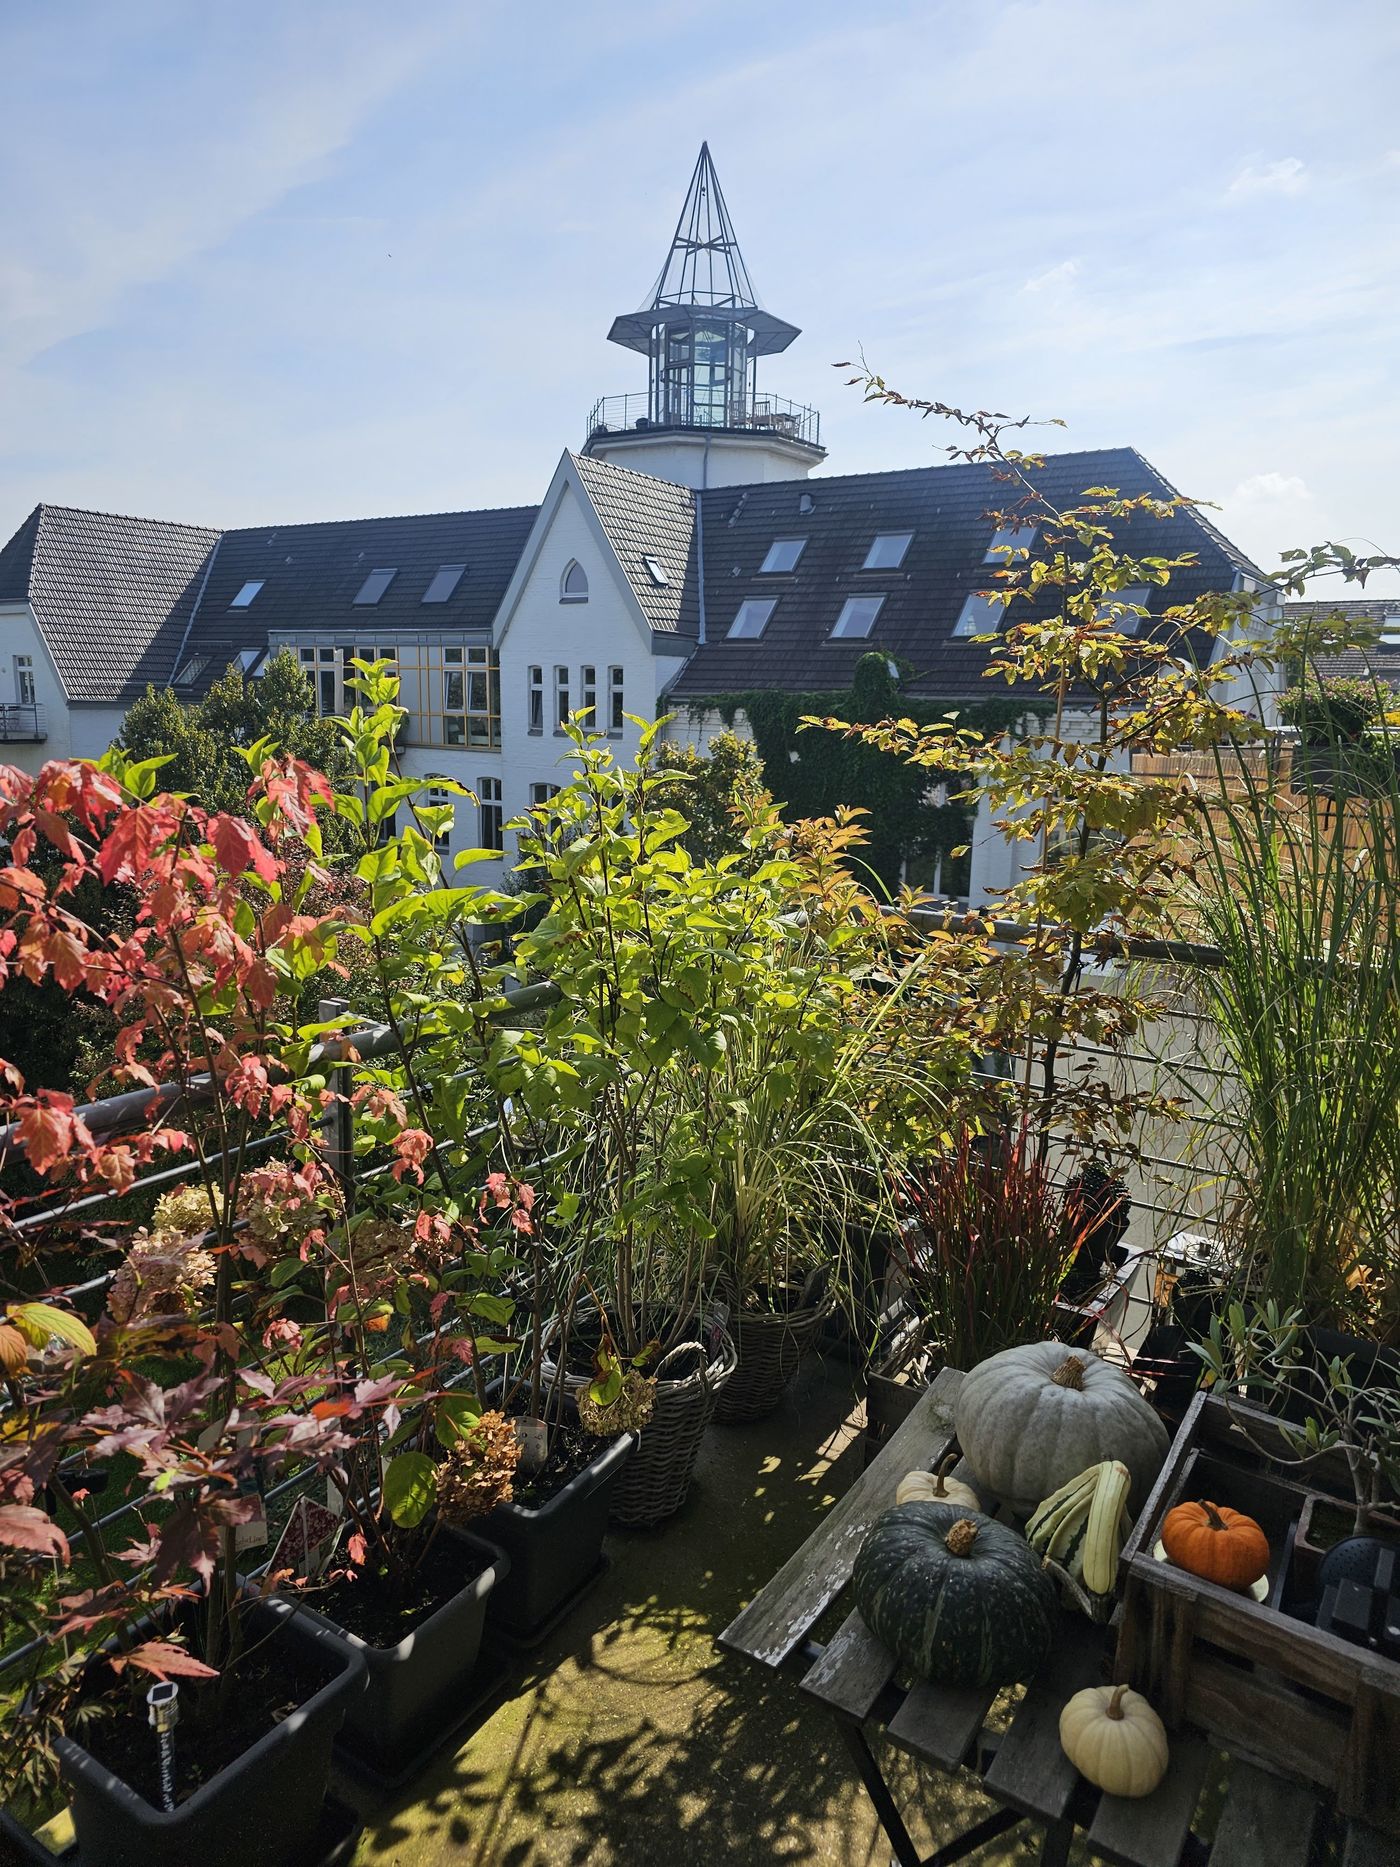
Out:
{"x": 338, "y": 1121}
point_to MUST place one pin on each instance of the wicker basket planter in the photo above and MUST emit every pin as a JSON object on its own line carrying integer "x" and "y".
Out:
{"x": 769, "y": 1344}
{"x": 689, "y": 1381}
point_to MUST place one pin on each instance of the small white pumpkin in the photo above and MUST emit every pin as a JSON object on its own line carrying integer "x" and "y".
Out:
{"x": 937, "y": 1487}
{"x": 1113, "y": 1737}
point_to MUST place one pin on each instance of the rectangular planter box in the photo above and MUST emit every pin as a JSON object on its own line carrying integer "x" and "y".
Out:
{"x": 892, "y": 1387}
{"x": 1268, "y": 1687}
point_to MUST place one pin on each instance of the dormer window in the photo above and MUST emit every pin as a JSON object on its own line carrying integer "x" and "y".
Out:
{"x": 444, "y": 583}
{"x": 573, "y": 585}
{"x": 887, "y": 550}
{"x": 1121, "y": 608}
{"x": 752, "y": 618}
{"x": 656, "y": 571}
{"x": 857, "y": 616}
{"x": 783, "y": 554}
{"x": 980, "y": 615}
{"x": 375, "y": 585}
{"x": 1006, "y": 541}
{"x": 247, "y": 593}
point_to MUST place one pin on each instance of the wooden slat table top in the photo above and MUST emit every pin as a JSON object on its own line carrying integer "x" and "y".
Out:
{"x": 782, "y": 1614}
{"x": 854, "y": 1669}
{"x": 1266, "y": 1822}
{"x": 1030, "y": 1771}
{"x": 1151, "y": 1831}
{"x": 941, "y": 1723}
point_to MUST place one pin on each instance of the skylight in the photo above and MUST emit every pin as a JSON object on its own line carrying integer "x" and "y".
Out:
{"x": 1125, "y": 621}
{"x": 1007, "y": 539}
{"x": 1390, "y": 631}
{"x": 857, "y": 616}
{"x": 752, "y": 618}
{"x": 375, "y": 585}
{"x": 979, "y": 616}
{"x": 247, "y": 593}
{"x": 443, "y": 584}
{"x": 248, "y": 659}
{"x": 190, "y": 672}
{"x": 887, "y": 550}
{"x": 656, "y": 571}
{"x": 783, "y": 554}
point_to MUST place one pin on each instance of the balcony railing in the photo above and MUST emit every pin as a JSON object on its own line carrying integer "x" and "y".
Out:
{"x": 760, "y": 414}
{"x": 20, "y": 723}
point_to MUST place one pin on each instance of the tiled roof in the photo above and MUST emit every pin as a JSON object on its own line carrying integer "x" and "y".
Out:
{"x": 1379, "y": 659}
{"x": 944, "y": 508}
{"x": 111, "y": 594}
{"x": 648, "y": 518}
{"x": 122, "y": 601}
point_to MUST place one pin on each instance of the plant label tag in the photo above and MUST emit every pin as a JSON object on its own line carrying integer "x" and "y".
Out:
{"x": 335, "y": 1498}
{"x": 533, "y": 1435}
{"x": 308, "y": 1539}
{"x": 252, "y": 1533}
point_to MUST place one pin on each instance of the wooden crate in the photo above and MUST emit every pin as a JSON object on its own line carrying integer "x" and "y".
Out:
{"x": 892, "y": 1389}
{"x": 1263, "y": 1684}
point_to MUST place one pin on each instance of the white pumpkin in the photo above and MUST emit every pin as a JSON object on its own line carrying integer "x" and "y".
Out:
{"x": 1032, "y": 1417}
{"x": 1113, "y": 1737}
{"x": 937, "y": 1487}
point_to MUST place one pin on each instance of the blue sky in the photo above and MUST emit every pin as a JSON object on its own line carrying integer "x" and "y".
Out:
{"x": 310, "y": 259}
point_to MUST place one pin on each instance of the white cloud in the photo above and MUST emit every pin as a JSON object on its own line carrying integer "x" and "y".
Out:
{"x": 1053, "y": 278}
{"x": 1288, "y": 175}
{"x": 1271, "y": 488}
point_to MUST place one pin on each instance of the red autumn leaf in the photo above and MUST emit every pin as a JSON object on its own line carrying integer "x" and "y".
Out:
{"x": 167, "y": 1661}
{"x": 239, "y": 847}
{"x": 67, "y": 959}
{"x": 126, "y": 851}
{"x": 355, "y": 1550}
{"x": 48, "y": 1131}
{"x": 24, "y": 1527}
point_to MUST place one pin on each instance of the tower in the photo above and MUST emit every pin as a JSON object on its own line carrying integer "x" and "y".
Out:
{"x": 702, "y": 421}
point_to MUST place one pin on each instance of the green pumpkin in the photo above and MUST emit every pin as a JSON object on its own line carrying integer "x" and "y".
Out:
{"x": 958, "y": 1598}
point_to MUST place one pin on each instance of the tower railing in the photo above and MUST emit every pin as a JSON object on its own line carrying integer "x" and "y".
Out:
{"x": 760, "y": 414}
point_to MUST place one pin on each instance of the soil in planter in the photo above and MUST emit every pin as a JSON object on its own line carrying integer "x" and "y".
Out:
{"x": 216, "y": 1726}
{"x": 382, "y": 1616}
{"x": 571, "y": 1451}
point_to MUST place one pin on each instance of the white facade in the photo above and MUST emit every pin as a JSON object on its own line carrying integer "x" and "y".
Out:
{"x": 705, "y": 458}
{"x": 31, "y": 691}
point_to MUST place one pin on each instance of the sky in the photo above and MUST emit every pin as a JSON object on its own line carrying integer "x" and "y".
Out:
{"x": 303, "y": 259}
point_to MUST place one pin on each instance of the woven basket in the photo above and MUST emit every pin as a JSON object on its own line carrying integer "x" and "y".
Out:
{"x": 656, "y": 1479}
{"x": 769, "y": 1344}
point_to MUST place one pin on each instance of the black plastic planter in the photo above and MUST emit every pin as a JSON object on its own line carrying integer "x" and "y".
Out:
{"x": 554, "y": 1551}
{"x": 264, "y": 1807}
{"x": 415, "y": 1690}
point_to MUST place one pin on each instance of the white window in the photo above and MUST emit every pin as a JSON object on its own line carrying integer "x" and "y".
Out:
{"x": 247, "y": 593}
{"x": 887, "y": 550}
{"x": 542, "y": 794}
{"x": 438, "y": 799}
{"x": 444, "y": 583}
{"x": 783, "y": 554}
{"x": 491, "y": 826}
{"x": 1390, "y": 631}
{"x": 573, "y": 586}
{"x": 588, "y": 695}
{"x": 375, "y": 585}
{"x": 616, "y": 722}
{"x": 1121, "y": 608}
{"x": 24, "y": 680}
{"x": 561, "y": 699}
{"x": 535, "y": 712}
{"x": 980, "y": 616}
{"x": 1007, "y": 541}
{"x": 857, "y": 616}
{"x": 752, "y": 618}
{"x": 321, "y": 666}
{"x": 656, "y": 571}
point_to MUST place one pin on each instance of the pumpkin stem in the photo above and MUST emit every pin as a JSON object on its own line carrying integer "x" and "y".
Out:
{"x": 1115, "y": 1704}
{"x": 1070, "y": 1373}
{"x": 962, "y": 1536}
{"x": 939, "y": 1488}
{"x": 1214, "y": 1521}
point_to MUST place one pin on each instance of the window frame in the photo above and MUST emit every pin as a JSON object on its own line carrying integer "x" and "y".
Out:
{"x": 566, "y": 595}
{"x": 459, "y": 572}
{"x": 993, "y": 623}
{"x": 534, "y": 699}
{"x": 656, "y": 570}
{"x": 768, "y": 604}
{"x": 838, "y": 634}
{"x": 1007, "y": 541}
{"x": 490, "y": 815}
{"x": 617, "y": 722}
{"x": 26, "y": 689}
{"x": 768, "y": 569}
{"x": 561, "y": 699}
{"x": 388, "y": 572}
{"x": 588, "y": 693}
{"x": 246, "y": 593}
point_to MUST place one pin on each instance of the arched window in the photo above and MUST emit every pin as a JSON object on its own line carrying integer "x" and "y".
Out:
{"x": 573, "y": 586}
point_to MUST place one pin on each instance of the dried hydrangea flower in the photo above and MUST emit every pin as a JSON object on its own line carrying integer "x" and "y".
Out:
{"x": 477, "y": 1473}
{"x": 160, "y": 1276}
{"x": 627, "y": 1414}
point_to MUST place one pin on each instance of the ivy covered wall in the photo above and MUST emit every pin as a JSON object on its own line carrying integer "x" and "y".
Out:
{"x": 811, "y": 771}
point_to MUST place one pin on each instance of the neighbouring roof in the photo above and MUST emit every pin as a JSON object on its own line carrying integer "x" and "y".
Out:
{"x": 111, "y": 594}
{"x": 648, "y": 518}
{"x": 1377, "y": 659}
{"x": 944, "y": 507}
{"x": 125, "y": 602}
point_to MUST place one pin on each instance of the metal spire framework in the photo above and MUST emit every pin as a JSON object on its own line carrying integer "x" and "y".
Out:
{"x": 702, "y": 327}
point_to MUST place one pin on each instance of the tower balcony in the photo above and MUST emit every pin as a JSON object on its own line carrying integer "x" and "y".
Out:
{"x": 772, "y": 416}
{"x": 22, "y": 723}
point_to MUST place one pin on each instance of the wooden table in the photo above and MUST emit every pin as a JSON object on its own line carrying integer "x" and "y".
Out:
{"x": 1266, "y": 1822}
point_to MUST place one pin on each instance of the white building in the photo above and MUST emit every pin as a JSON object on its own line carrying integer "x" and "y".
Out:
{"x": 683, "y": 555}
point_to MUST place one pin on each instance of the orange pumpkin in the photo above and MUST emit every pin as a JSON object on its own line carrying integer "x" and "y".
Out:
{"x": 1217, "y": 1543}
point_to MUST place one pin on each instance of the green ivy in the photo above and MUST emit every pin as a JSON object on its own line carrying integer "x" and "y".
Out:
{"x": 812, "y": 773}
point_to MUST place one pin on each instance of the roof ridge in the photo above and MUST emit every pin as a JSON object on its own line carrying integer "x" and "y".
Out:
{"x": 374, "y": 518}
{"x": 128, "y": 518}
